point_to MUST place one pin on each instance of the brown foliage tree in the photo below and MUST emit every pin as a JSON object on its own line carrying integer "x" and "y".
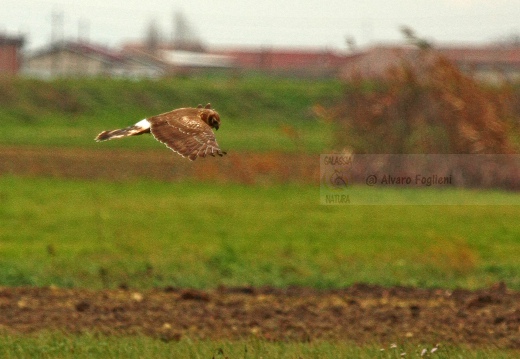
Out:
{"x": 424, "y": 105}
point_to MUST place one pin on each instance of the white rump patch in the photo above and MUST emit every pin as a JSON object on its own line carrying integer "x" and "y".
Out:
{"x": 144, "y": 124}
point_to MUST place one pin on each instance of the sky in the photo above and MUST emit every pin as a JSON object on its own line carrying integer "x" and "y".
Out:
{"x": 264, "y": 23}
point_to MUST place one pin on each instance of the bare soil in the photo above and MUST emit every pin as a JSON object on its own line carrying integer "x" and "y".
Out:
{"x": 160, "y": 165}
{"x": 361, "y": 313}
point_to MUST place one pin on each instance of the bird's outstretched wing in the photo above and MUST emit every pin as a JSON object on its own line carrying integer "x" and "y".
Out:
{"x": 185, "y": 133}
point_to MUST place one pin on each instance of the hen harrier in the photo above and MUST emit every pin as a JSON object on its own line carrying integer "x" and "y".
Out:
{"x": 186, "y": 131}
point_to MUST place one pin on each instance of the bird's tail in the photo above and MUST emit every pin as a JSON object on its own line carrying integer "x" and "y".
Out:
{"x": 137, "y": 129}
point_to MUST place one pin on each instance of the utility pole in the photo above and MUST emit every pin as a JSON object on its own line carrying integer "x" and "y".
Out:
{"x": 56, "y": 40}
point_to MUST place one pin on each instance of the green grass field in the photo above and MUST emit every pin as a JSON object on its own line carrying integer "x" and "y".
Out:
{"x": 55, "y": 345}
{"x": 101, "y": 234}
{"x": 258, "y": 114}
{"x": 78, "y": 233}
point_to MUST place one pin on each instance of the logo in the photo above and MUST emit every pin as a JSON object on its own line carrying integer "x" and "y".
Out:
{"x": 336, "y": 180}
{"x": 335, "y": 172}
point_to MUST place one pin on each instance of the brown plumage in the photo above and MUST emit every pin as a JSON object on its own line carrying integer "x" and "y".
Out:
{"x": 187, "y": 131}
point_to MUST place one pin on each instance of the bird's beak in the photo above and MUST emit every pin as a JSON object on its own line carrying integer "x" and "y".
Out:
{"x": 216, "y": 126}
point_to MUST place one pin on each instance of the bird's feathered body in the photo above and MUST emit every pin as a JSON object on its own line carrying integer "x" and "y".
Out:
{"x": 187, "y": 131}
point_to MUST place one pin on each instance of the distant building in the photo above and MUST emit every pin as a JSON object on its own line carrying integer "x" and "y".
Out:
{"x": 374, "y": 62}
{"x": 80, "y": 59}
{"x": 294, "y": 62}
{"x": 72, "y": 59}
{"x": 10, "y": 54}
{"x": 179, "y": 61}
{"x": 291, "y": 62}
{"x": 185, "y": 61}
{"x": 490, "y": 64}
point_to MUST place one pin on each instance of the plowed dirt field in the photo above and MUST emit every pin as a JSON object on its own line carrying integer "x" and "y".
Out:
{"x": 361, "y": 313}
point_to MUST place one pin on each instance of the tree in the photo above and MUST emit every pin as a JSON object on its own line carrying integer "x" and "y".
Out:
{"x": 410, "y": 36}
{"x": 184, "y": 37}
{"x": 153, "y": 37}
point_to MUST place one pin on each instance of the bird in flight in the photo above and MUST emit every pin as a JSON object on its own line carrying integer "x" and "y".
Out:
{"x": 186, "y": 131}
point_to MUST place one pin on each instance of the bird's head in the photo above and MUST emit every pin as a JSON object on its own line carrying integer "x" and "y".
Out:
{"x": 211, "y": 117}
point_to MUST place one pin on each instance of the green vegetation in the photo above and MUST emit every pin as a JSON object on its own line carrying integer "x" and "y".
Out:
{"x": 258, "y": 114}
{"x": 144, "y": 234}
{"x": 79, "y": 233}
{"x": 52, "y": 345}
